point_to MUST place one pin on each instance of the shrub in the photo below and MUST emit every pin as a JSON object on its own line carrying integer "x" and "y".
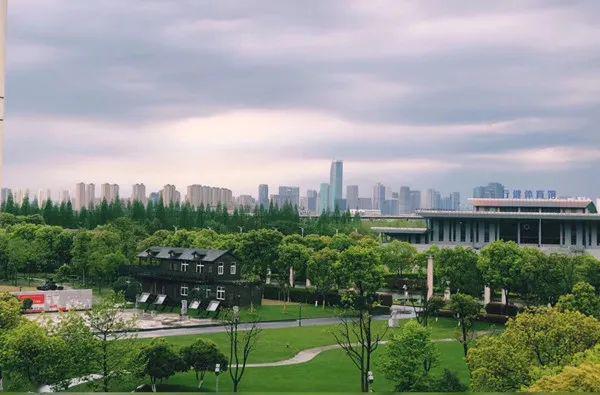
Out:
{"x": 501, "y": 309}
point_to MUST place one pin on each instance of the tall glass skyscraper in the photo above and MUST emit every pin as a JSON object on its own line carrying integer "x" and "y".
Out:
{"x": 336, "y": 183}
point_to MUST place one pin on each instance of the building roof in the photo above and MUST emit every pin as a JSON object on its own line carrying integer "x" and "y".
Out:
{"x": 426, "y": 214}
{"x": 184, "y": 254}
{"x": 554, "y": 203}
{"x": 405, "y": 231}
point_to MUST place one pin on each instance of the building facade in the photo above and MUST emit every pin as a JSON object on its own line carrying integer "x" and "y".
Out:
{"x": 138, "y": 194}
{"x": 548, "y": 224}
{"x": 194, "y": 275}
{"x": 336, "y": 183}
{"x": 352, "y": 197}
{"x": 263, "y": 195}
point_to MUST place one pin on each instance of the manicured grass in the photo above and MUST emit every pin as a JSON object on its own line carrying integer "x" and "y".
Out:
{"x": 291, "y": 311}
{"x": 330, "y": 371}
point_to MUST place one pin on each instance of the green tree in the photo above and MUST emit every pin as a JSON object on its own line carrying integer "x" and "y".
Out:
{"x": 583, "y": 298}
{"x": 322, "y": 269}
{"x": 409, "y": 356}
{"x": 107, "y": 320}
{"x": 10, "y": 311}
{"x": 458, "y": 267}
{"x": 157, "y": 360}
{"x": 501, "y": 264}
{"x": 202, "y": 356}
{"x": 398, "y": 256}
{"x": 259, "y": 251}
{"x": 291, "y": 258}
{"x": 466, "y": 309}
{"x": 242, "y": 343}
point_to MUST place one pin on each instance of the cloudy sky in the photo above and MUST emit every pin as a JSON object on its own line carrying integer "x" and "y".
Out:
{"x": 444, "y": 94}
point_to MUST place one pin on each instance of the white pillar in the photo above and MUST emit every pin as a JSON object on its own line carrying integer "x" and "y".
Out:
{"x": 268, "y": 281}
{"x": 429, "y": 277}
{"x": 487, "y": 295}
{"x": 447, "y": 294}
{"x": 503, "y": 296}
{"x": 291, "y": 277}
{"x": 308, "y": 284}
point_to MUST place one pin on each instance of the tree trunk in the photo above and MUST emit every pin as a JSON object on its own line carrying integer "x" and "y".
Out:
{"x": 464, "y": 335}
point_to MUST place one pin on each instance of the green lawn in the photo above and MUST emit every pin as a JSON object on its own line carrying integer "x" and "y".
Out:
{"x": 330, "y": 371}
{"x": 268, "y": 312}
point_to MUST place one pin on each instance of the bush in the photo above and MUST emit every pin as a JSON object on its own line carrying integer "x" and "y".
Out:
{"x": 129, "y": 286}
{"x": 488, "y": 318}
{"x": 380, "y": 310}
{"x": 413, "y": 281}
{"x": 302, "y": 295}
{"x": 498, "y": 308}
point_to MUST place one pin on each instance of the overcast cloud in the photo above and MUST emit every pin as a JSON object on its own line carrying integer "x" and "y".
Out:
{"x": 446, "y": 94}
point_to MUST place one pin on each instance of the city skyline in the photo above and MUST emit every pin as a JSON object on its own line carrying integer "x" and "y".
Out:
{"x": 457, "y": 96}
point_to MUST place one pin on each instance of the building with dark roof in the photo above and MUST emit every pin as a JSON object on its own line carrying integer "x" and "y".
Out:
{"x": 194, "y": 274}
{"x": 572, "y": 224}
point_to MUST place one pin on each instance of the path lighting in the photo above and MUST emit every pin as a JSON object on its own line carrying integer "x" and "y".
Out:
{"x": 217, "y": 373}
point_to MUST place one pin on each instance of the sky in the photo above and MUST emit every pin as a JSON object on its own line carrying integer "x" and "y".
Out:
{"x": 443, "y": 94}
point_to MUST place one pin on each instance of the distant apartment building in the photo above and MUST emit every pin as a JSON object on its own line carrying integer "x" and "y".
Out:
{"x": 263, "y": 195}
{"x": 336, "y": 183}
{"x": 138, "y": 194}
{"x": 287, "y": 195}
{"x": 80, "y": 201}
{"x": 404, "y": 201}
{"x": 365, "y": 204}
{"x": 378, "y": 196}
{"x": 246, "y": 201}
{"x": 390, "y": 207}
{"x": 90, "y": 195}
{"x": 109, "y": 193}
{"x": 207, "y": 196}
{"x": 415, "y": 200}
{"x": 65, "y": 196}
{"x": 170, "y": 195}
{"x": 352, "y": 197}
{"x": 154, "y": 197}
{"x": 5, "y": 193}
{"x": 43, "y": 196}
{"x": 431, "y": 200}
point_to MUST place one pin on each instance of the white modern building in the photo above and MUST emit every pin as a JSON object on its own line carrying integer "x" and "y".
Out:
{"x": 138, "y": 194}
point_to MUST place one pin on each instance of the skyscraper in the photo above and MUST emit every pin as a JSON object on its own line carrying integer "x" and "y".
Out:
{"x": 493, "y": 190}
{"x": 90, "y": 195}
{"x": 2, "y": 71}
{"x": 170, "y": 195}
{"x": 311, "y": 201}
{"x": 352, "y": 197}
{"x": 65, "y": 197}
{"x": 105, "y": 193}
{"x": 289, "y": 195}
{"x": 415, "y": 200}
{"x": 378, "y": 196}
{"x": 404, "y": 201}
{"x": 323, "y": 199}
{"x": 43, "y": 196}
{"x": 336, "y": 183}
{"x": 263, "y": 195}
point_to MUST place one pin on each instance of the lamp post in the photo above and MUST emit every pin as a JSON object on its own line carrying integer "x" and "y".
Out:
{"x": 217, "y": 373}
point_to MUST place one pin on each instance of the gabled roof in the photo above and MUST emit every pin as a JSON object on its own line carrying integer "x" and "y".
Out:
{"x": 184, "y": 254}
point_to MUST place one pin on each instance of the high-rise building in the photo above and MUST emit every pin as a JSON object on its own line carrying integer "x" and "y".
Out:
{"x": 90, "y": 195}
{"x": 105, "y": 194}
{"x": 154, "y": 197}
{"x": 263, "y": 195}
{"x": 493, "y": 190}
{"x": 207, "y": 196}
{"x": 336, "y": 183}
{"x": 404, "y": 201}
{"x": 288, "y": 195}
{"x": 21, "y": 195}
{"x": 378, "y": 196}
{"x": 390, "y": 207}
{"x": 311, "y": 201}
{"x": 415, "y": 200}
{"x": 43, "y": 196}
{"x": 80, "y": 200}
{"x": 3, "y": 5}
{"x": 65, "y": 196}
{"x": 5, "y": 193}
{"x": 138, "y": 194}
{"x": 352, "y": 197}
{"x": 432, "y": 200}
{"x": 323, "y": 198}
{"x": 170, "y": 195}
{"x": 365, "y": 203}
{"x": 246, "y": 201}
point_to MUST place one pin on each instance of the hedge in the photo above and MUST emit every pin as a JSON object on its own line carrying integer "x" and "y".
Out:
{"x": 414, "y": 282}
{"x": 501, "y": 309}
{"x": 302, "y": 295}
{"x": 485, "y": 317}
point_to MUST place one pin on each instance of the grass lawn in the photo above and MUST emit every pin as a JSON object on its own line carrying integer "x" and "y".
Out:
{"x": 330, "y": 371}
{"x": 276, "y": 311}
{"x": 22, "y": 284}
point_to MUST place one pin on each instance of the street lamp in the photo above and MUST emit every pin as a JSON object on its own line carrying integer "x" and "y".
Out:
{"x": 217, "y": 373}
{"x": 370, "y": 380}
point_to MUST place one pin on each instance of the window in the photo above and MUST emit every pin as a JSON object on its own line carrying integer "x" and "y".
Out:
{"x": 184, "y": 290}
{"x": 220, "y": 269}
{"x": 207, "y": 293}
{"x": 184, "y": 266}
{"x": 232, "y": 269}
{"x": 220, "y": 293}
{"x": 199, "y": 268}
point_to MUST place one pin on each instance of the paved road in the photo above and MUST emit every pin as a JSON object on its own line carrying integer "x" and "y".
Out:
{"x": 262, "y": 325}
